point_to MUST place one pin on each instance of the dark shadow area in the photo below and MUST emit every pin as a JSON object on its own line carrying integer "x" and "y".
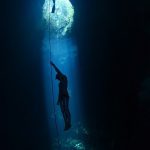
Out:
{"x": 25, "y": 124}
{"x": 113, "y": 41}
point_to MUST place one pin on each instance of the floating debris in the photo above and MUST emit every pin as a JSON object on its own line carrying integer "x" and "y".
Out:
{"x": 80, "y": 146}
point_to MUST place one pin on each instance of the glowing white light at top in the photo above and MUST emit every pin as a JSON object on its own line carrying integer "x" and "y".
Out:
{"x": 62, "y": 19}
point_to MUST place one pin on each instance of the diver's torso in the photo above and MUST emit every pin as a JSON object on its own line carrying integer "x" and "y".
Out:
{"x": 63, "y": 87}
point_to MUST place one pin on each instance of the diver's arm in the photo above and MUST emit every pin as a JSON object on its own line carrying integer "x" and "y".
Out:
{"x": 56, "y": 69}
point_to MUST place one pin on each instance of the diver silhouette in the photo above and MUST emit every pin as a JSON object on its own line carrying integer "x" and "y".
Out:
{"x": 63, "y": 97}
{"x": 53, "y": 8}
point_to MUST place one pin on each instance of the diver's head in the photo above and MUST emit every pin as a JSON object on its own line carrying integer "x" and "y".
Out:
{"x": 57, "y": 76}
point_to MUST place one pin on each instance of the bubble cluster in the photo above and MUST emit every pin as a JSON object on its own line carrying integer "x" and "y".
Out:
{"x": 61, "y": 20}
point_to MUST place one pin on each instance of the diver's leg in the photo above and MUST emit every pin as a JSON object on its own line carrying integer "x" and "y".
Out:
{"x": 68, "y": 112}
{"x": 68, "y": 121}
{"x": 63, "y": 112}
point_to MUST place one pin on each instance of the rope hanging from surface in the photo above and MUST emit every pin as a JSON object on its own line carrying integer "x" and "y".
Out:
{"x": 52, "y": 85}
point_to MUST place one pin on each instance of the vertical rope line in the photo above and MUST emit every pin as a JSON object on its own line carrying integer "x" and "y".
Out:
{"x": 52, "y": 84}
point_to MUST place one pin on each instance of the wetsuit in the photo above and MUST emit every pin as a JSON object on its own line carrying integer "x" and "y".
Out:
{"x": 63, "y": 97}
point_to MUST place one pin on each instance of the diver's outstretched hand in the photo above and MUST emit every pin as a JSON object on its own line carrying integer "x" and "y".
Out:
{"x": 56, "y": 69}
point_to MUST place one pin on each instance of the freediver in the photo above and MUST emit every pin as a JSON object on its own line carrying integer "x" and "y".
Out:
{"x": 53, "y": 8}
{"x": 63, "y": 97}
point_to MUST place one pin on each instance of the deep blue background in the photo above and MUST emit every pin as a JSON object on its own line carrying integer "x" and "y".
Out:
{"x": 113, "y": 43}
